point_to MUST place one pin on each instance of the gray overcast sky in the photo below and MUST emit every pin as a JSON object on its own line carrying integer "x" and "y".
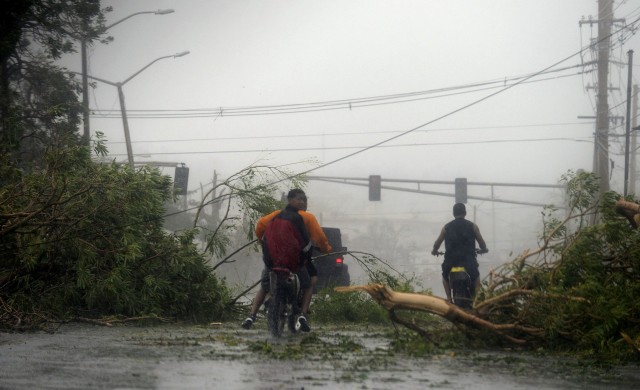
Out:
{"x": 282, "y": 54}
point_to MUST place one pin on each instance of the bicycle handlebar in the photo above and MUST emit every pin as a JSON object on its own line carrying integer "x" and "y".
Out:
{"x": 477, "y": 250}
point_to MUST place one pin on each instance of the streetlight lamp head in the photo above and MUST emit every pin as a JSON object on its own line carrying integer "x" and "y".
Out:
{"x": 164, "y": 11}
{"x": 184, "y": 53}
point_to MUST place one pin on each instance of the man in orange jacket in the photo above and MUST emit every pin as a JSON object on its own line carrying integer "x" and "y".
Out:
{"x": 297, "y": 202}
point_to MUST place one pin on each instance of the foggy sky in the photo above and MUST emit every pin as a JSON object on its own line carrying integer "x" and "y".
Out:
{"x": 286, "y": 53}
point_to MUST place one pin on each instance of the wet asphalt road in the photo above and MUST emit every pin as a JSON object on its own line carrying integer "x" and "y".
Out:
{"x": 82, "y": 356}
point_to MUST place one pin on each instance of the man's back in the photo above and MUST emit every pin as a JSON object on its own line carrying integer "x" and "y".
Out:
{"x": 459, "y": 239}
{"x": 285, "y": 239}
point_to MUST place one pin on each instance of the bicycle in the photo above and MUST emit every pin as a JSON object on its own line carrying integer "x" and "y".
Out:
{"x": 284, "y": 305}
{"x": 462, "y": 287}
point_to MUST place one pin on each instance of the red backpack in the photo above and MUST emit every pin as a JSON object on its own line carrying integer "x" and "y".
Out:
{"x": 284, "y": 241}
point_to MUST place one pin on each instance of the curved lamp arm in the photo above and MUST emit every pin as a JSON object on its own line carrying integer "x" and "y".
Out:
{"x": 184, "y": 53}
{"x": 158, "y": 12}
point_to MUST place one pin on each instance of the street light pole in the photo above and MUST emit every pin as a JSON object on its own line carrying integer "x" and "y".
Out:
{"x": 123, "y": 109}
{"x": 86, "y": 134}
{"x": 125, "y": 125}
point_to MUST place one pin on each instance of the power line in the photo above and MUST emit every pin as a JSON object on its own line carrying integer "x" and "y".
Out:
{"x": 455, "y": 111}
{"x": 347, "y": 104}
{"x": 263, "y": 150}
{"x": 352, "y": 133}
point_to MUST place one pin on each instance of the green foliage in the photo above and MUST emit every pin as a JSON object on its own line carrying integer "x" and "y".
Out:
{"x": 397, "y": 281}
{"x": 582, "y": 190}
{"x": 79, "y": 238}
{"x": 38, "y": 103}
{"x": 85, "y": 238}
{"x": 381, "y": 272}
{"x": 240, "y": 201}
{"x": 414, "y": 344}
{"x": 581, "y": 290}
{"x": 601, "y": 264}
{"x": 356, "y": 307}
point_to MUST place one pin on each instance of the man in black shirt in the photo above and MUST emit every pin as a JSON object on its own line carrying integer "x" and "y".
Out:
{"x": 460, "y": 236}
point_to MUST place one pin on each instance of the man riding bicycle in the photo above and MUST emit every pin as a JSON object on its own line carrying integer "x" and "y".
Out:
{"x": 296, "y": 203}
{"x": 460, "y": 236}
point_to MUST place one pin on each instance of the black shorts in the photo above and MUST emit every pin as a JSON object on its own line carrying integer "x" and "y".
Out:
{"x": 471, "y": 266}
{"x": 311, "y": 269}
{"x": 303, "y": 277}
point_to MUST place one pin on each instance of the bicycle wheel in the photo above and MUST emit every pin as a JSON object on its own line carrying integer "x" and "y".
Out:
{"x": 294, "y": 302}
{"x": 294, "y": 311}
{"x": 275, "y": 317}
{"x": 461, "y": 293}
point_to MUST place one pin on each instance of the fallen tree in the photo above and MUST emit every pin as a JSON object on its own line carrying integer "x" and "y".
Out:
{"x": 577, "y": 291}
{"x": 630, "y": 210}
{"x": 394, "y": 300}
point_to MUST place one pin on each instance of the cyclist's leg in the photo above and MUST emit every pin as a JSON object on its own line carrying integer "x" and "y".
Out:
{"x": 313, "y": 276}
{"x": 262, "y": 293}
{"x": 305, "y": 286}
{"x": 257, "y": 300}
{"x": 446, "y": 268}
{"x": 474, "y": 273}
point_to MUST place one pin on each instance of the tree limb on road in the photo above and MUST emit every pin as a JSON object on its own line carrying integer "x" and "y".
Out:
{"x": 393, "y": 300}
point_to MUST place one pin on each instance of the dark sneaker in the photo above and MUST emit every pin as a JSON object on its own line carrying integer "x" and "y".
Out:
{"x": 248, "y": 323}
{"x": 302, "y": 324}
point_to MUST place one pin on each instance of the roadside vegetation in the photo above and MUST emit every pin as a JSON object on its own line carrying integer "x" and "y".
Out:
{"x": 349, "y": 308}
{"x": 88, "y": 241}
{"x": 81, "y": 239}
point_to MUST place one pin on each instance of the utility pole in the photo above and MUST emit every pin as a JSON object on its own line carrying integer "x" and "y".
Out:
{"x": 601, "y": 144}
{"x": 215, "y": 205}
{"x": 627, "y": 133}
{"x": 634, "y": 143}
{"x": 86, "y": 132}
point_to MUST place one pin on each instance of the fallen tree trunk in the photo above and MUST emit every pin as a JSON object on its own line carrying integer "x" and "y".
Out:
{"x": 630, "y": 210}
{"x": 393, "y": 300}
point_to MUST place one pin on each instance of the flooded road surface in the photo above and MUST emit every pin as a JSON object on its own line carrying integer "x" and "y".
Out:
{"x": 81, "y": 356}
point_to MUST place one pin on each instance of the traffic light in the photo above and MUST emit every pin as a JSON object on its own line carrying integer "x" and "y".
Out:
{"x": 461, "y": 189}
{"x": 181, "y": 180}
{"x": 374, "y": 187}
